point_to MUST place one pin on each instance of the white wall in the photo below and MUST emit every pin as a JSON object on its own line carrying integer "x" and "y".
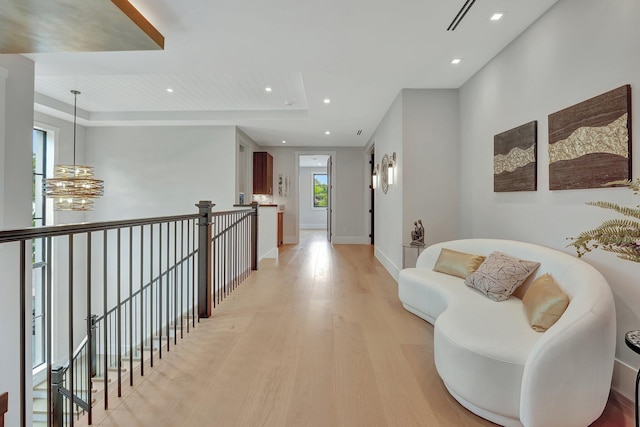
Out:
{"x": 577, "y": 50}
{"x": 249, "y": 146}
{"x": 421, "y": 126}
{"x": 16, "y": 120}
{"x": 348, "y": 191}
{"x": 156, "y": 171}
{"x": 310, "y": 217}
{"x": 388, "y": 207}
{"x": 430, "y": 171}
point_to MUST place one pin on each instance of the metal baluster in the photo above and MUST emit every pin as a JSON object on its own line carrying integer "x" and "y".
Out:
{"x": 90, "y": 333}
{"x": 142, "y": 300}
{"x": 23, "y": 331}
{"x": 175, "y": 282}
{"x": 119, "y": 312}
{"x": 71, "y": 373}
{"x": 49, "y": 328}
{"x": 182, "y": 279}
{"x": 107, "y": 329}
{"x": 151, "y": 296}
{"x": 196, "y": 309}
{"x": 131, "y": 306}
{"x": 168, "y": 282}
{"x": 188, "y": 271}
{"x": 160, "y": 291}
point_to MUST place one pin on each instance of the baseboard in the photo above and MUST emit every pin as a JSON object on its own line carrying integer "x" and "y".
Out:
{"x": 387, "y": 264}
{"x": 289, "y": 240}
{"x": 349, "y": 240}
{"x": 624, "y": 380}
{"x": 313, "y": 226}
{"x": 273, "y": 253}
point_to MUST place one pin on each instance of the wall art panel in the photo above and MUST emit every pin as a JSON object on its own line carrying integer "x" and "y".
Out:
{"x": 590, "y": 142}
{"x": 514, "y": 159}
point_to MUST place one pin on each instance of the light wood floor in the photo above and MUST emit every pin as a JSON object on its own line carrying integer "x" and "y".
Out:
{"x": 317, "y": 338}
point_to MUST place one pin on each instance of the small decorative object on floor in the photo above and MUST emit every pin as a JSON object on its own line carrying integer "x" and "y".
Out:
{"x": 632, "y": 339}
{"x": 615, "y": 235}
{"x": 417, "y": 235}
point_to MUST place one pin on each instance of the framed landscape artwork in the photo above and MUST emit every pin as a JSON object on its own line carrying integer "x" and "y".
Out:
{"x": 590, "y": 142}
{"x": 514, "y": 159}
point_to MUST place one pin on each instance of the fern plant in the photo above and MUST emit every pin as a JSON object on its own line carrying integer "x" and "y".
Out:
{"x": 619, "y": 236}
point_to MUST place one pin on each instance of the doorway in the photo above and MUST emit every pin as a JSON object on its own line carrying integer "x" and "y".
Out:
{"x": 315, "y": 199}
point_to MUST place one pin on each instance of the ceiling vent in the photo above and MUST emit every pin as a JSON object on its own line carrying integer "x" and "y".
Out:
{"x": 461, "y": 14}
{"x": 359, "y": 132}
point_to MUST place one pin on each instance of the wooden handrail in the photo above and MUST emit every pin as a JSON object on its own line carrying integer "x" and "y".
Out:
{"x": 4, "y": 406}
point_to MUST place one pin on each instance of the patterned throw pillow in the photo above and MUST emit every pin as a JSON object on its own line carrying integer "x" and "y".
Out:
{"x": 500, "y": 274}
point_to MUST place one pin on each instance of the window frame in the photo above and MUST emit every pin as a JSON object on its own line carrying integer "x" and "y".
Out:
{"x": 313, "y": 190}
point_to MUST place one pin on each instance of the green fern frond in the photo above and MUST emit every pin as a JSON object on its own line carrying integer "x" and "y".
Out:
{"x": 624, "y": 210}
{"x": 618, "y": 236}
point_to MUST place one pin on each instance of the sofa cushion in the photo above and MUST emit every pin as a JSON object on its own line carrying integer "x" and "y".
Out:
{"x": 544, "y": 303}
{"x": 500, "y": 274}
{"x": 459, "y": 264}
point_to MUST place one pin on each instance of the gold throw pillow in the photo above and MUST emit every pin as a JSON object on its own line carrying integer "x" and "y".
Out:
{"x": 544, "y": 302}
{"x": 456, "y": 263}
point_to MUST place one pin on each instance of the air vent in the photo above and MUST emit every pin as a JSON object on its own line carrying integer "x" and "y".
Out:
{"x": 461, "y": 14}
{"x": 359, "y": 132}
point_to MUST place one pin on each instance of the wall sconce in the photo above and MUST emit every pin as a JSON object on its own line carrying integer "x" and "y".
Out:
{"x": 392, "y": 168}
{"x": 374, "y": 178}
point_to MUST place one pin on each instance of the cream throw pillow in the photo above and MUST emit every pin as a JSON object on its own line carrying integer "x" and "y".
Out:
{"x": 500, "y": 275}
{"x": 544, "y": 302}
{"x": 456, "y": 263}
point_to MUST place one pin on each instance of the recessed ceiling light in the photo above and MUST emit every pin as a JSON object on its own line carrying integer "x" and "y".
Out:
{"x": 497, "y": 16}
{"x": 268, "y": 89}
{"x": 319, "y": 164}
{"x": 327, "y": 132}
{"x": 456, "y": 61}
{"x": 284, "y": 142}
{"x": 327, "y": 101}
{"x": 169, "y": 90}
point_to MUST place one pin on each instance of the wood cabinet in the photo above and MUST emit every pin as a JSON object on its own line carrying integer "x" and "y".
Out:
{"x": 262, "y": 173}
{"x": 280, "y": 227}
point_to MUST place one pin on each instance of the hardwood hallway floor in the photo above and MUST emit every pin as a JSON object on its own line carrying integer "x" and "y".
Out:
{"x": 316, "y": 338}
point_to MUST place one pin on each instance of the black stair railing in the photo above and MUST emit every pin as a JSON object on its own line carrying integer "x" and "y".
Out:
{"x": 136, "y": 286}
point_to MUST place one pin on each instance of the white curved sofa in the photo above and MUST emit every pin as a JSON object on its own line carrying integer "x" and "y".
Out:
{"x": 490, "y": 359}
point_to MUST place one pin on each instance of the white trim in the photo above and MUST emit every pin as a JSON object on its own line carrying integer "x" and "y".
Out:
{"x": 313, "y": 226}
{"x": 624, "y": 377}
{"x": 393, "y": 270}
{"x": 334, "y": 157}
{"x": 350, "y": 240}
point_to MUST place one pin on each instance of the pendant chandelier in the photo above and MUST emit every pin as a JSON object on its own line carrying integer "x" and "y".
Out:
{"x": 73, "y": 187}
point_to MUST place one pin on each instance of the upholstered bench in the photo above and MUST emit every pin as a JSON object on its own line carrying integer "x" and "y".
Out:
{"x": 493, "y": 362}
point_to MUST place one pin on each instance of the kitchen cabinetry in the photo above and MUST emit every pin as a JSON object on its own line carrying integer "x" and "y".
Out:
{"x": 280, "y": 227}
{"x": 262, "y": 173}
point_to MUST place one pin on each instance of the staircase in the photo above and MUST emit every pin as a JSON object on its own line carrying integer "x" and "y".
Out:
{"x": 40, "y": 390}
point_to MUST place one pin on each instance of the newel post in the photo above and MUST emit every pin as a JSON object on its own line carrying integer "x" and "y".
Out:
{"x": 57, "y": 405}
{"x": 254, "y": 236}
{"x": 205, "y": 272}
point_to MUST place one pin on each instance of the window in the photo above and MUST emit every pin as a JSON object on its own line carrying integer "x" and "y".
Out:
{"x": 320, "y": 193}
{"x": 39, "y": 249}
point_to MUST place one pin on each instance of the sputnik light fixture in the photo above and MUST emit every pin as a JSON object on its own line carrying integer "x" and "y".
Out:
{"x": 73, "y": 187}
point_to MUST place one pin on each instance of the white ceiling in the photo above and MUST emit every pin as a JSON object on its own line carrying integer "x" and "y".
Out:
{"x": 314, "y": 160}
{"x": 221, "y": 55}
